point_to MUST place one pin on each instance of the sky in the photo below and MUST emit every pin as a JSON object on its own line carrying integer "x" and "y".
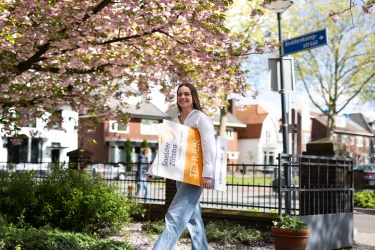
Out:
{"x": 271, "y": 101}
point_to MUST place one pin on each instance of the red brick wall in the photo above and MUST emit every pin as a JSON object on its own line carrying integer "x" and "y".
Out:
{"x": 100, "y": 149}
{"x": 134, "y": 133}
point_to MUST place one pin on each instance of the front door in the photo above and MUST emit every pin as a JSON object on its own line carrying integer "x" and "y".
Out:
{"x": 55, "y": 155}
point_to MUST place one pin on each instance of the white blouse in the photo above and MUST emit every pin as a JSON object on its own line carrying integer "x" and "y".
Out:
{"x": 199, "y": 120}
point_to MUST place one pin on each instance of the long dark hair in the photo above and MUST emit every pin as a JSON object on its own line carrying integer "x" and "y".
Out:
{"x": 194, "y": 95}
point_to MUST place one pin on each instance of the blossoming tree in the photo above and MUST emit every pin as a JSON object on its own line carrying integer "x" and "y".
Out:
{"x": 83, "y": 52}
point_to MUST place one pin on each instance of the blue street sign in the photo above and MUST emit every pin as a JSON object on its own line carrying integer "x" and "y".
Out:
{"x": 305, "y": 42}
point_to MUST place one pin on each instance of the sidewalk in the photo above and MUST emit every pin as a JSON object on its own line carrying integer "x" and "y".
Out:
{"x": 364, "y": 228}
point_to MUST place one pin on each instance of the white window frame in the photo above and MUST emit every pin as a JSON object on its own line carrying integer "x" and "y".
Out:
{"x": 267, "y": 156}
{"x": 351, "y": 140}
{"x": 367, "y": 142}
{"x": 334, "y": 137}
{"x": 113, "y": 127}
{"x": 149, "y": 129}
{"x": 344, "y": 139}
{"x": 229, "y": 133}
{"x": 359, "y": 141}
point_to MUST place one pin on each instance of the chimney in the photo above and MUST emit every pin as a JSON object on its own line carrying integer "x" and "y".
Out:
{"x": 232, "y": 107}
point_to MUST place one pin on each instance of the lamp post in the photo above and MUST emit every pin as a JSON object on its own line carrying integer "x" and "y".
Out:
{"x": 278, "y": 7}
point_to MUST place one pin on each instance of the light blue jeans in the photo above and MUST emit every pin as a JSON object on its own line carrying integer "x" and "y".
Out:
{"x": 184, "y": 211}
{"x": 142, "y": 184}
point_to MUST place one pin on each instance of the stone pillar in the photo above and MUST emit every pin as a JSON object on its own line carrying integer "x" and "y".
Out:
{"x": 325, "y": 176}
{"x": 79, "y": 158}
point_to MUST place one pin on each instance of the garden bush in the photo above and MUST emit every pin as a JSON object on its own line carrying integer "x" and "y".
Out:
{"x": 66, "y": 199}
{"x": 228, "y": 232}
{"x": 47, "y": 238}
{"x": 364, "y": 199}
{"x": 157, "y": 227}
{"x": 17, "y": 194}
{"x": 223, "y": 232}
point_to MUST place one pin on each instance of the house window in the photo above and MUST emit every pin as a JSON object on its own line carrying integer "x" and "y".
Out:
{"x": 351, "y": 140}
{"x": 114, "y": 126}
{"x": 18, "y": 153}
{"x": 359, "y": 141}
{"x": 149, "y": 127}
{"x": 344, "y": 139}
{"x": 58, "y": 123}
{"x": 268, "y": 136}
{"x": 334, "y": 137}
{"x": 31, "y": 122}
{"x": 269, "y": 157}
{"x": 367, "y": 142}
{"x": 117, "y": 154}
{"x": 121, "y": 154}
{"x": 229, "y": 133}
{"x": 112, "y": 154}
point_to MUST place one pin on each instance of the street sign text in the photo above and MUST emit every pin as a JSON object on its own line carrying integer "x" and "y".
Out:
{"x": 305, "y": 42}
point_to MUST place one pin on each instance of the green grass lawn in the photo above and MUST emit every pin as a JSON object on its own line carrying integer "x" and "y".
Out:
{"x": 250, "y": 180}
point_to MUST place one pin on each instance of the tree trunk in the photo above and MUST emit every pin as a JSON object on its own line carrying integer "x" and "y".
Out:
{"x": 223, "y": 121}
{"x": 331, "y": 124}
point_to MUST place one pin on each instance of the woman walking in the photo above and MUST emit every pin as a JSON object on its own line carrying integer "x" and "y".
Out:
{"x": 185, "y": 210}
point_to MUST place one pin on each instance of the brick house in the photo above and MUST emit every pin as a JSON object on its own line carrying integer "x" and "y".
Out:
{"x": 370, "y": 127}
{"x": 111, "y": 135}
{"x": 260, "y": 141}
{"x": 358, "y": 140}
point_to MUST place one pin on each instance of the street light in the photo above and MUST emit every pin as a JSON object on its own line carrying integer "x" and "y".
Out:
{"x": 278, "y": 7}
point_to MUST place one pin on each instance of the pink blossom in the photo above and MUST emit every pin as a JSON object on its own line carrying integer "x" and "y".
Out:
{"x": 254, "y": 13}
{"x": 99, "y": 51}
{"x": 335, "y": 18}
{"x": 260, "y": 49}
{"x": 368, "y": 8}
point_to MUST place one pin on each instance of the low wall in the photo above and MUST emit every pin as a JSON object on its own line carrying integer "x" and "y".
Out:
{"x": 259, "y": 220}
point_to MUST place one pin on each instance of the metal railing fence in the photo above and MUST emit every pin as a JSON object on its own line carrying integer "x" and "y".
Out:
{"x": 249, "y": 186}
{"x": 316, "y": 185}
{"x": 325, "y": 185}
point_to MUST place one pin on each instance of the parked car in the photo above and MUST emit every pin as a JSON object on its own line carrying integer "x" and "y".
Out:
{"x": 369, "y": 173}
{"x": 109, "y": 171}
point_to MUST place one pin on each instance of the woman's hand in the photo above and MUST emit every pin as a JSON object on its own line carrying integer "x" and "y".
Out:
{"x": 206, "y": 183}
{"x": 149, "y": 177}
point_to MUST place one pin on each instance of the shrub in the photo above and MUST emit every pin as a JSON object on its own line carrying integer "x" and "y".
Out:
{"x": 17, "y": 194}
{"x": 73, "y": 200}
{"x": 157, "y": 227}
{"x": 223, "y": 232}
{"x": 153, "y": 227}
{"x": 128, "y": 154}
{"x": 47, "y": 238}
{"x": 144, "y": 144}
{"x": 364, "y": 199}
{"x": 66, "y": 199}
{"x": 228, "y": 232}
